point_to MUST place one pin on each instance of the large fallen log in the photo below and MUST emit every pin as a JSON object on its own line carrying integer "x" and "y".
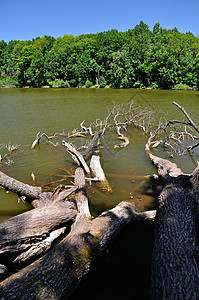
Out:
{"x": 57, "y": 274}
{"x": 27, "y": 236}
{"x": 175, "y": 273}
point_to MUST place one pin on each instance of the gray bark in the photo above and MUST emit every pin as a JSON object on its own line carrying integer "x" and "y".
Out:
{"x": 175, "y": 273}
{"x": 33, "y": 194}
{"x": 28, "y": 235}
{"x": 58, "y": 273}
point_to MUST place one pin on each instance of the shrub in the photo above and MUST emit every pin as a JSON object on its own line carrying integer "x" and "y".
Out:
{"x": 153, "y": 85}
{"x": 182, "y": 86}
{"x": 9, "y": 82}
{"x": 102, "y": 82}
{"x": 88, "y": 83}
{"x": 59, "y": 83}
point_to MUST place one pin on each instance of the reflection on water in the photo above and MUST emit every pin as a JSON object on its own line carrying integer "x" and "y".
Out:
{"x": 24, "y": 112}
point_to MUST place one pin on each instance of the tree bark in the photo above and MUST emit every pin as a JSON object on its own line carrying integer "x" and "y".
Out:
{"x": 81, "y": 195}
{"x": 57, "y": 274}
{"x": 33, "y": 194}
{"x": 175, "y": 273}
{"x": 76, "y": 156}
{"x": 30, "y": 234}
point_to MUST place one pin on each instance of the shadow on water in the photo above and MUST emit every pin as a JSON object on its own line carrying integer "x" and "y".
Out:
{"x": 123, "y": 270}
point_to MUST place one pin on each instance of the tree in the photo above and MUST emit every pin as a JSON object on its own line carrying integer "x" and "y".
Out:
{"x": 35, "y": 73}
{"x": 138, "y": 57}
{"x": 24, "y": 62}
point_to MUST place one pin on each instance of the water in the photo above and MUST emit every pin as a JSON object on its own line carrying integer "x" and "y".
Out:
{"x": 24, "y": 112}
{"x": 123, "y": 271}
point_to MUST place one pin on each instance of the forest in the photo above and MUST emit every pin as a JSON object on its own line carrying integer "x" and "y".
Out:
{"x": 137, "y": 58}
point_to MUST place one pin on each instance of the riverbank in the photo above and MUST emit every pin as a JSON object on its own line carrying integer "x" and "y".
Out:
{"x": 180, "y": 86}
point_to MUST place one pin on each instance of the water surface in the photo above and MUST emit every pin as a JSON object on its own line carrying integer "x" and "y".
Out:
{"x": 24, "y": 112}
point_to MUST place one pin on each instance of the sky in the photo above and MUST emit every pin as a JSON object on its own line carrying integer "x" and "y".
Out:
{"x": 27, "y": 19}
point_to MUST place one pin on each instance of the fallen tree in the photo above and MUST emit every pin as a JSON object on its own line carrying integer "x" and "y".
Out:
{"x": 174, "y": 258}
{"x": 65, "y": 213}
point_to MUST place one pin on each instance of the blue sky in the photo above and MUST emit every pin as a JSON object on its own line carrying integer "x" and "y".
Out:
{"x": 27, "y": 19}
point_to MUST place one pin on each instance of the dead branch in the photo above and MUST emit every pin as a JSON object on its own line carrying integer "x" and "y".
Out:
{"x": 76, "y": 156}
{"x": 190, "y": 121}
{"x": 59, "y": 272}
{"x": 121, "y": 137}
{"x": 10, "y": 148}
{"x": 81, "y": 195}
{"x": 164, "y": 166}
{"x": 99, "y": 174}
{"x": 92, "y": 143}
{"x": 33, "y": 194}
{"x": 32, "y": 233}
{"x": 40, "y": 135}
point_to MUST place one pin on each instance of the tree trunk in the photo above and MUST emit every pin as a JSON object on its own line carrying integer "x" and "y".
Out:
{"x": 57, "y": 274}
{"x": 175, "y": 273}
{"x": 30, "y": 234}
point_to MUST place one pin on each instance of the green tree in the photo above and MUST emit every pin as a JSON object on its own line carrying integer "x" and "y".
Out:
{"x": 24, "y": 62}
{"x": 35, "y": 73}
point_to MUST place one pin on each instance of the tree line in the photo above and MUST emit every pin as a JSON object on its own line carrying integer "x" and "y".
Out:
{"x": 137, "y": 58}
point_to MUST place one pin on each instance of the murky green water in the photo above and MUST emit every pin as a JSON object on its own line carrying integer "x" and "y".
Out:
{"x": 24, "y": 112}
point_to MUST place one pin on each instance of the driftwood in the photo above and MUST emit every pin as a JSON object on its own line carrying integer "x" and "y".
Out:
{"x": 32, "y": 194}
{"x": 121, "y": 137}
{"x": 39, "y": 137}
{"x": 58, "y": 273}
{"x": 81, "y": 196}
{"x": 76, "y": 156}
{"x": 99, "y": 174}
{"x": 175, "y": 273}
{"x": 30, "y": 234}
{"x": 92, "y": 143}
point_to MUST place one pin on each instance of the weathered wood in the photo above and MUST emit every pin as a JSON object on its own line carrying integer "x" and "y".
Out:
{"x": 121, "y": 137}
{"x": 58, "y": 273}
{"x": 38, "y": 138}
{"x": 76, "y": 156}
{"x": 99, "y": 174}
{"x": 164, "y": 166}
{"x": 32, "y": 194}
{"x": 124, "y": 144}
{"x": 18, "y": 187}
{"x": 175, "y": 273}
{"x": 32, "y": 233}
{"x": 92, "y": 143}
{"x": 81, "y": 195}
{"x": 190, "y": 121}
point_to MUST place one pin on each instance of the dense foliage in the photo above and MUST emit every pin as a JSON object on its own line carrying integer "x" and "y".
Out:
{"x": 136, "y": 58}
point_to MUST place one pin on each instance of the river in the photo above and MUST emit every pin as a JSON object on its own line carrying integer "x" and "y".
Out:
{"x": 24, "y": 112}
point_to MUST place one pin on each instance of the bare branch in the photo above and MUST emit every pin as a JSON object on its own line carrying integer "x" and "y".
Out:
{"x": 76, "y": 156}
{"x": 191, "y": 122}
{"x": 81, "y": 195}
